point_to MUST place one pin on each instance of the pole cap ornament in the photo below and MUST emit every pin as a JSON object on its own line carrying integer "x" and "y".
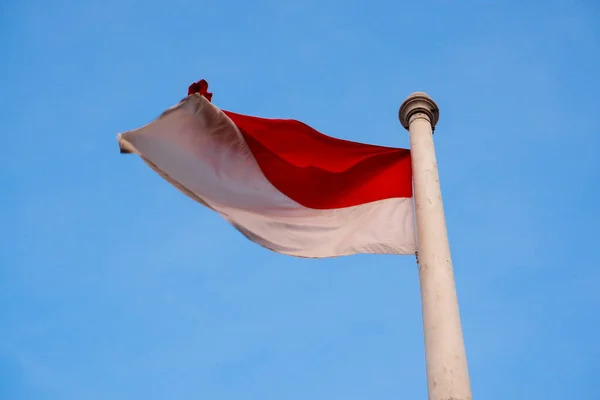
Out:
{"x": 418, "y": 102}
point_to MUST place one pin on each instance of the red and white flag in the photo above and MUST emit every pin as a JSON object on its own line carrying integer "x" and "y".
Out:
{"x": 281, "y": 183}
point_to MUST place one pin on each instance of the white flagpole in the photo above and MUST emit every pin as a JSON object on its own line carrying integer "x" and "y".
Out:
{"x": 447, "y": 372}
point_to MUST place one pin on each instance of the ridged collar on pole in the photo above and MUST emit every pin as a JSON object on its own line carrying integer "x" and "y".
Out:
{"x": 418, "y": 102}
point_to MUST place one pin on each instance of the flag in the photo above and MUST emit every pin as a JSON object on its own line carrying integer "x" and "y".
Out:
{"x": 281, "y": 183}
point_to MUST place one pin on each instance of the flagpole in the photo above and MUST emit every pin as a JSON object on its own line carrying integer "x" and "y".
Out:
{"x": 446, "y": 362}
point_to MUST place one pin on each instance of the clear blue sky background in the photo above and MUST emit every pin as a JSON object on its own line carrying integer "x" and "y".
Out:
{"x": 113, "y": 285}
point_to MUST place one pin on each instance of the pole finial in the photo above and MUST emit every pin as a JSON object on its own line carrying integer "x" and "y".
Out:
{"x": 418, "y": 102}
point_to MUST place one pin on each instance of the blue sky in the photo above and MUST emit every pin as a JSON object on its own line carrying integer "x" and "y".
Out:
{"x": 113, "y": 285}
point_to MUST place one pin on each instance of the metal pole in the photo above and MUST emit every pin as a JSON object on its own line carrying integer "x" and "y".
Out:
{"x": 447, "y": 371}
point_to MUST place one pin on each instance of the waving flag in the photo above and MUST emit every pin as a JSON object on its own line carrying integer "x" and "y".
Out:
{"x": 281, "y": 183}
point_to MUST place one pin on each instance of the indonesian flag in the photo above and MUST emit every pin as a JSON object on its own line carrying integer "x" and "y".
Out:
{"x": 281, "y": 183}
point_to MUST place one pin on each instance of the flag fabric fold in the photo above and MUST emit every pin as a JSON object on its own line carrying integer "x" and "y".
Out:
{"x": 281, "y": 183}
